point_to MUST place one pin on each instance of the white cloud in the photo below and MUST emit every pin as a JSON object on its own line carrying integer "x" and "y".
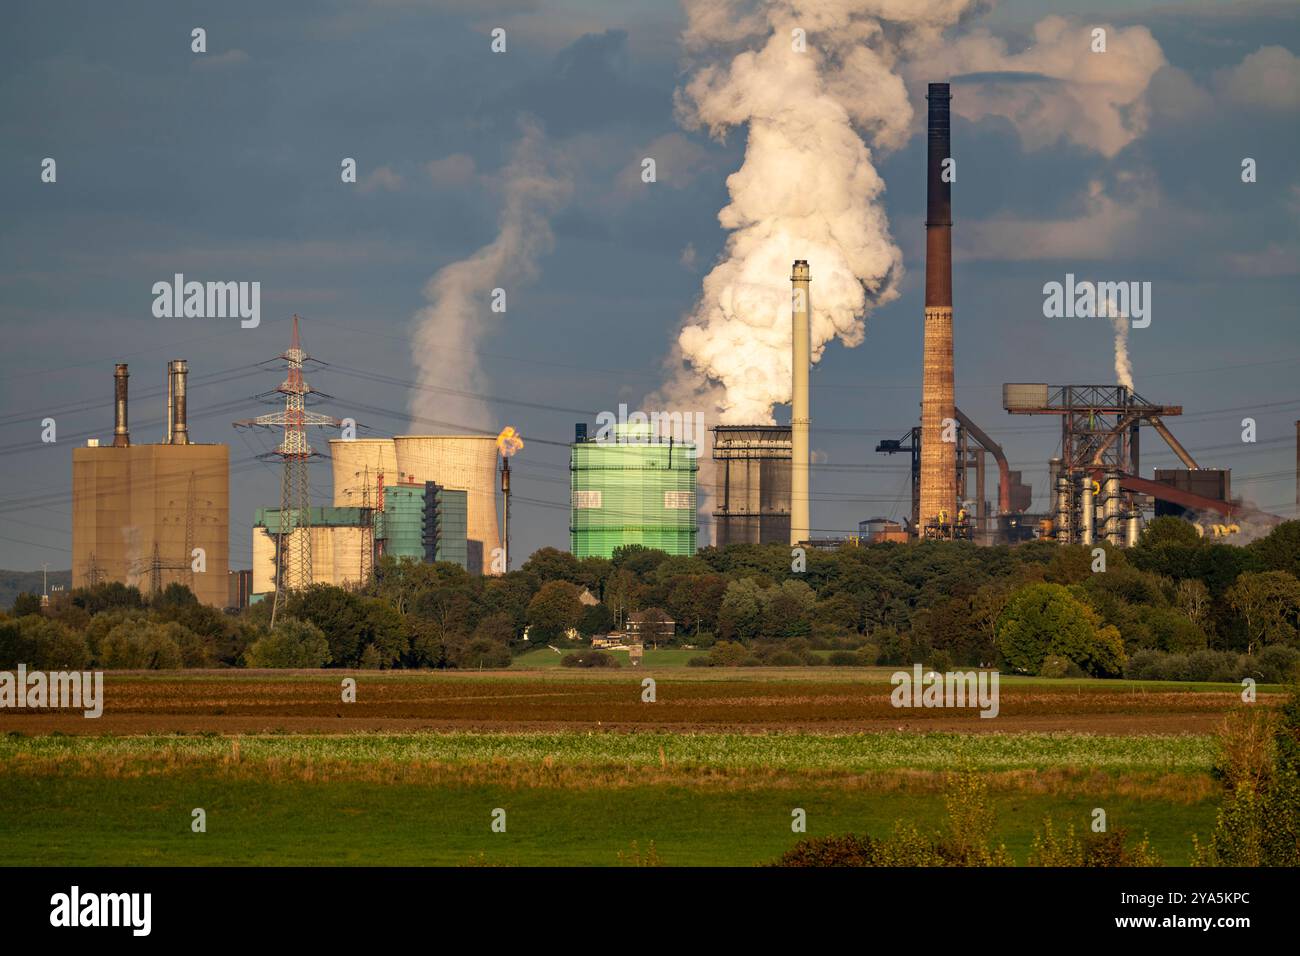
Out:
{"x": 382, "y": 178}
{"x": 217, "y": 61}
{"x": 458, "y": 169}
{"x": 1268, "y": 79}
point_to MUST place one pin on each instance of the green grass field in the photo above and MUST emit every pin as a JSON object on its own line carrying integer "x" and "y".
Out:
{"x": 146, "y": 821}
{"x": 570, "y": 798}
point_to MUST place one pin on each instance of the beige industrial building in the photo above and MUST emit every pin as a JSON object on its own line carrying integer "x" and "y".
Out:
{"x": 336, "y": 555}
{"x": 150, "y": 515}
{"x": 460, "y": 462}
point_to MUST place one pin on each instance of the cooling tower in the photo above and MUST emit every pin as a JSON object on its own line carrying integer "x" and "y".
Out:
{"x": 463, "y": 463}
{"x": 357, "y": 465}
{"x": 938, "y": 403}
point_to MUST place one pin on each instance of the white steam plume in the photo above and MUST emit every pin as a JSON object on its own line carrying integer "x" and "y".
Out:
{"x": 1119, "y": 320}
{"x": 447, "y": 330}
{"x": 808, "y": 188}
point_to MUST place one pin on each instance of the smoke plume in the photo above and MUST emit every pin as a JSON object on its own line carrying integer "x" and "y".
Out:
{"x": 448, "y": 329}
{"x": 807, "y": 189}
{"x": 1119, "y": 320}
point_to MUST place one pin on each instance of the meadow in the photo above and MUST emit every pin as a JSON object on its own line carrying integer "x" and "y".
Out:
{"x": 586, "y": 773}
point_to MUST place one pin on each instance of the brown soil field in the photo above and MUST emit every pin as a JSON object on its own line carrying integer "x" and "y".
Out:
{"x": 310, "y": 702}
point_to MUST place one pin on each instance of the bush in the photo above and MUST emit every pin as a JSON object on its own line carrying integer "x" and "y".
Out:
{"x": 1054, "y": 667}
{"x": 140, "y": 645}
{"x": 479, "y": 653}
{"x": 1278, "y": 664}
{"x": 589, "y": 659}
{"x": 847, "y": 850}
{"x": 845, "y": 659}
{"x": 964, "y": 842}
{"x": 293, "y": 643}
{"x": 1259, "y": 765}
{"x": 41, "y": 644}
{"x": 1273, "y": 665}
{"x": 784, "y": 659}
{"x": 1109, "y": 849}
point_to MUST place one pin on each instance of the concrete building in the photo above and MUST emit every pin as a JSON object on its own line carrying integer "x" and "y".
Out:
{"x": 151, "y": 515}
{"x": 753, "y": 473}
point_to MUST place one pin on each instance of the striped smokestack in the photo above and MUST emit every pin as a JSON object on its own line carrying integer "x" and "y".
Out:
{"x": 938, "y": 458}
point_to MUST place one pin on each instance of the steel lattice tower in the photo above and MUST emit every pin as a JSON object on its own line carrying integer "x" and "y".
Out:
{"x": 293, "y": 551}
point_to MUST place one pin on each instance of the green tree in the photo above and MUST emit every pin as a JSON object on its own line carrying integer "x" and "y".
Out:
{"x": 340, "y": 615}
{"x": 498, "y": 628}
{"x": 1279, "y": 550}
{"x": 1168, "y": 530}
{"x": 787, "y": 609}
{"x": 1269, "y": 604}
{"x": 111, "y": 594}
{"x": 553, "y": 610}
{"x": 552, "y": 564}
{"x": 140, "y": 644}
{"x": 740, "y": 616}
{"x": 596, "y": 619}
{"x": 293, "y": 643}
{"x": 41, "y": 644}
{"x": 26, "y": 603}
{"x": 1046, "y": 620}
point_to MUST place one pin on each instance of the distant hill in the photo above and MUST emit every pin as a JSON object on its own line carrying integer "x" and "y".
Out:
{"x": 14, "y": 583}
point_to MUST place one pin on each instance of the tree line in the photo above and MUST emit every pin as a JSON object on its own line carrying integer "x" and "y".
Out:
{"x": 1176, "y": 607}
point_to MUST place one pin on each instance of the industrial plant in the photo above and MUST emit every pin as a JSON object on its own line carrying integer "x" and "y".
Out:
{"x": 1097, "y": 491}
{"x": 153, "y": 514}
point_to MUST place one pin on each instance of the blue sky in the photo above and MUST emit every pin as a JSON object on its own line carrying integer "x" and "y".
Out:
{"x": 226, "y": 166}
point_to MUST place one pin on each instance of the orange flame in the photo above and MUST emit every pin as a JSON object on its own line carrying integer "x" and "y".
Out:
{"x": 509, "y": 441}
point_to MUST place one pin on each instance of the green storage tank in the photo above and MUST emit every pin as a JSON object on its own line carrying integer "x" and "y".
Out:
{"x": 632, "y": 490}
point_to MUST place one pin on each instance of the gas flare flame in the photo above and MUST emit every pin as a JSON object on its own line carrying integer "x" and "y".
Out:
{"x": 509, "y": 441}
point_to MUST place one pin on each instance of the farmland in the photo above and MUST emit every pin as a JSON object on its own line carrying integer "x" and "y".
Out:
{"x": 586, "y": 771}
{"x": 829, "y": 700}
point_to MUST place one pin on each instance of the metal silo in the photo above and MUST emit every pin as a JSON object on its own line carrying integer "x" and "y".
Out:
{"x": 632, "y": 490}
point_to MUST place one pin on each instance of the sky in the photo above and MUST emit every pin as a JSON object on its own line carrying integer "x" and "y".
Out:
{"x": 523, "y": 169}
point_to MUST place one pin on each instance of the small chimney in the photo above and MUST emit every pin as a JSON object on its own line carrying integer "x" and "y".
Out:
{"x": 121, "y": 436}
{"x": 177, "y": 428}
